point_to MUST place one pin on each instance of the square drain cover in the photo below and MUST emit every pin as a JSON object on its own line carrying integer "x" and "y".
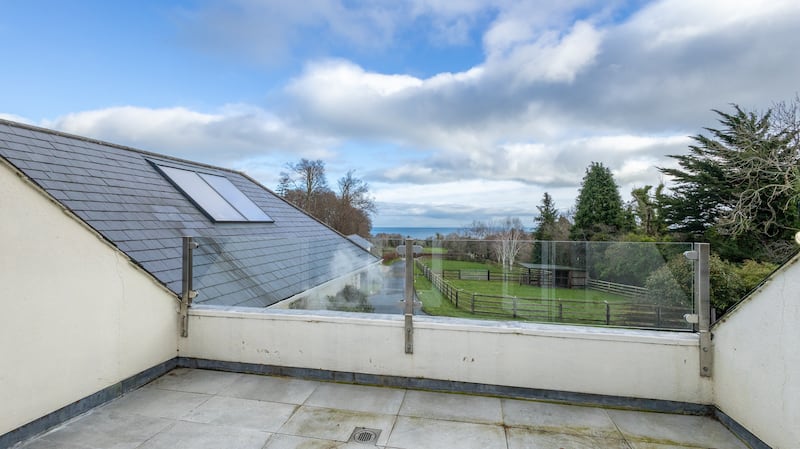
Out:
{"x": 364, "y": 435}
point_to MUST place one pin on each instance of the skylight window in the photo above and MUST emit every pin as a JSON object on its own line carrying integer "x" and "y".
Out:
{"x": 215, "y": 195}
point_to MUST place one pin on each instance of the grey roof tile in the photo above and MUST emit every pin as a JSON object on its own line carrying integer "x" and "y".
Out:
{"x": 117, "y": 191}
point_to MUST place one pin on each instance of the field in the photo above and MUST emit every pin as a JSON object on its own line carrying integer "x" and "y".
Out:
{"x": 504, "y": 300}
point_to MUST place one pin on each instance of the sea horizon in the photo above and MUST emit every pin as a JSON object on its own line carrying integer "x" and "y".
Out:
{"x": 417, "y": 232}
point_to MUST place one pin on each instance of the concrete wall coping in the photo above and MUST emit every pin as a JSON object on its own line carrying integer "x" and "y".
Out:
{"x": 460, "y": 324}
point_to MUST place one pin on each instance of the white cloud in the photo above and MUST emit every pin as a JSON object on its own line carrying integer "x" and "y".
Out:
{"x": 550, "y": 57}
{"x": 236, "y": 132}
{"x": 677, "y": 22}
{"x": 333, "y": 82}
{"x": 15, "y": 118}
{"x": 561, "y": 84}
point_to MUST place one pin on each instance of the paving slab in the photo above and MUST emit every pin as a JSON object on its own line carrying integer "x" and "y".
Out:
{"x": 272, "y": 389}
{"x": 523, "y": 438}
{"x": 245, "y": 413}
{"x": 41, "y": 443}
{"x": 452, "y": 407}
{"x": 157, "y": 403}
{"x": 102, "y": 428}
{"x": 187, "y": 435}
{"x": 358, "y": 398}
{"x": 646, "y": 445}
{"x": 295, "y": 442}
{"x": 424, "y": 433}
{"x": 336, "y": 425}
{"x": 559, "y": 418}
{"x": 671, "y": 429}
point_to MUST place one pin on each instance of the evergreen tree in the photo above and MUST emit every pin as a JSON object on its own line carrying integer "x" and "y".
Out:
{"x": 547, "y": 219}
{"x": 599, "y": 213}
{"x": 738, "y": 187}
{"x": 648, "y": 210}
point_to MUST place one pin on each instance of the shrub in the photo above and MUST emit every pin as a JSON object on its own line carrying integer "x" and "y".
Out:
{"x": 753, "y": 273}
{"x": 672, "y": 283}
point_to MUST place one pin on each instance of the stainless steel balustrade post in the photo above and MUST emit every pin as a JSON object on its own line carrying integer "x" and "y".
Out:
{"x": 703, "y": 304}
{"x": 409, "y": 297}
{"x": 187, "y": 294}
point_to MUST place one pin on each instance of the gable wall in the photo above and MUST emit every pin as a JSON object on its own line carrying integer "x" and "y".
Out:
{"x": 757, "y": 361}
{"x": 75, "y": 315}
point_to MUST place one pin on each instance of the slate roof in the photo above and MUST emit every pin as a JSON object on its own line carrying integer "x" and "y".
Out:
{"x": 360, "y": 241}
{"x": 116, "y": 191}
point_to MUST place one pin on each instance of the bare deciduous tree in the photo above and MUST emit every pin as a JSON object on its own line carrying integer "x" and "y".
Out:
{"x": 306, "y": 179}
{"x": 509, "y": 237}
{"x": 347, "y": 211}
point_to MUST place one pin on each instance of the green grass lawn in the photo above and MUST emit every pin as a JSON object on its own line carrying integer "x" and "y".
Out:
{"x": 434, "y": 303}
{"x": 494, "y": 300}
{"x": 499, "y": 300}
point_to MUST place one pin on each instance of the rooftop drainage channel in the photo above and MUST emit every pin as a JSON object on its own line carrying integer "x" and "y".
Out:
{"x": 364, "y": 435}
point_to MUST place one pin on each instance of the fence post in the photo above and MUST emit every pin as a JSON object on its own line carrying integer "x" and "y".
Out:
{"x": 608, "y": 313}
{"x": 488, "y": 275}
{"x": 472, "y": 306}
{"x": 658, "y": 316}
{"x": 457, "y": 298}
{"x": 560, "y": 311}
{"x": 514, "y": 306}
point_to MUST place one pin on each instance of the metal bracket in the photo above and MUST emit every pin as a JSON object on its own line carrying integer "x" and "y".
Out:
{"x": 409, "y": 334}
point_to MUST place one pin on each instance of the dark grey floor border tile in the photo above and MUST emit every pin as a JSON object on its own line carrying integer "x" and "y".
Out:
{"x": 739, "y": 430}
{"x": 417, "y": 383}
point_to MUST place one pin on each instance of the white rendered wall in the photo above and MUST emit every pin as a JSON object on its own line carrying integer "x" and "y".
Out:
{"x": 641, "y": 364}
{"x": 757, "y": 361}
{"x": 75, "y": 315}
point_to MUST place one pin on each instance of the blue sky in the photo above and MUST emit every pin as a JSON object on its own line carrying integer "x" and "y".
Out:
{"x": 451, "y": 110}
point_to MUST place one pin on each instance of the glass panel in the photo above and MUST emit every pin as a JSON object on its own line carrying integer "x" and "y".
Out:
{"x": 617, "y": 284}
{"x": 236, "y": 198}
{"x": 202, "y": 194}
{"x": 289, "y": 273}
{"x": 623, "y": 284}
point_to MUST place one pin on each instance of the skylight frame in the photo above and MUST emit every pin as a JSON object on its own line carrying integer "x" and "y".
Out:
{"x": 214, "y": 195}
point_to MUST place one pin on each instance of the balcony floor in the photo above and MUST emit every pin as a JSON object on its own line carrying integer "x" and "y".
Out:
{"x": 207, "y": 409}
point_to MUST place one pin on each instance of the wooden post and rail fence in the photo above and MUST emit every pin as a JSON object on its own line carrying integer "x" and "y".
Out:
{"x": 635, "y": 312}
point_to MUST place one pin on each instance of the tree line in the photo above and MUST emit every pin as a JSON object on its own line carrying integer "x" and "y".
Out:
{"x": 347, "y": 210}
{"x": 738, "y": 188}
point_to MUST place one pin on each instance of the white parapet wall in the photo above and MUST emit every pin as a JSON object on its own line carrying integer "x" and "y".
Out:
{"x": 757, "y": 360}
{"x": 77, "y": 316}
{"x": 615, "y": 362}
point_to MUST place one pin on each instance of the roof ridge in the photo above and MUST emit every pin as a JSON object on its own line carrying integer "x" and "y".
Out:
{"x": 113, "y": 145}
